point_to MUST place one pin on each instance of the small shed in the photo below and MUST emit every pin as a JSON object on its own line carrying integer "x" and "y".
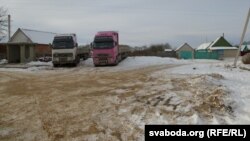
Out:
{"x": 185, "y": 51}
{"x": 26, "y": 45}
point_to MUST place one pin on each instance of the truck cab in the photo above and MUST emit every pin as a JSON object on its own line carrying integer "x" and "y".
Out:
{"x": 105, "y": 48}
{"x": 64, "y": 50}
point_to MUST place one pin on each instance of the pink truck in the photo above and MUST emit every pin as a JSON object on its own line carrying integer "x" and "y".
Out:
{"x": 106, "y": 49}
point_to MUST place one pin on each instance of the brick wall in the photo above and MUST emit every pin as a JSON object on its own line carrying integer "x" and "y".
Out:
{"x": 41, "y": 50}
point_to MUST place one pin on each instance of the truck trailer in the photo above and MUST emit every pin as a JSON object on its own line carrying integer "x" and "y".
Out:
{"x": 84, "y": 51}
{"x": 106, "y": 49}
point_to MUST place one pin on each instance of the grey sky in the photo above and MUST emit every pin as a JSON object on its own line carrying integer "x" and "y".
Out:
{"x": 139, "y": 22}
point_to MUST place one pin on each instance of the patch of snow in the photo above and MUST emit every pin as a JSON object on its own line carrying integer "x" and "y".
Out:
{"x": 204, "y": 46}
{"x": 37, "y": 68}
{"x": 87, "y": 63}
{"x": 133, "y": 63}
{"x": 236, "y": 81}
{"x": 120, "y": 91}
{"x": 241, "y": 65}
{"x": 139, "y": 62}
{"x": 223, "y": 48}
{"x": 38, "y": 63}
{"x": 3, "y": 61}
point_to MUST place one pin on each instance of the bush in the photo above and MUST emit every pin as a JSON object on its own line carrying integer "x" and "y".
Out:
{"x": 246, "y": 58}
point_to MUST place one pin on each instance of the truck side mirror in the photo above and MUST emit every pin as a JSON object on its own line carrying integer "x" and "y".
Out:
{"x": 76, "y": 44}
{"x": 50, "y": 45}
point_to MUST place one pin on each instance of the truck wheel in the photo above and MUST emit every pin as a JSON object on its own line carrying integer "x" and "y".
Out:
{"x": 74, "y": 64}
{"x": 116, "y": 62}
{"x": 78, "y": 60}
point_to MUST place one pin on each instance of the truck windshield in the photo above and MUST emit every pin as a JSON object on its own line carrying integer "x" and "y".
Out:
{"x": 102, "y": 45}
{"x": 63, "y": 42}
{"x": 103, "y": 42}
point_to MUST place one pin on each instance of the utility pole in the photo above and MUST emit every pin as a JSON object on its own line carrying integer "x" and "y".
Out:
{"x": 242, "y": 39}
{"x": 9, "y": 27}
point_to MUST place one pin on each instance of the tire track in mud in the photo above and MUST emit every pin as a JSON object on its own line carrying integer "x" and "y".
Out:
{"x": 99, "y": 104}
{"x": 63, "y": 105}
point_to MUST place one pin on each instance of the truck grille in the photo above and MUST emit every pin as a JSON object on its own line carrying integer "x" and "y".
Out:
{"x": 63, "y": 59}
{"x": 102, "y": 55}
{"x": 103, "y": 61}
{"x": 63, "y": 55}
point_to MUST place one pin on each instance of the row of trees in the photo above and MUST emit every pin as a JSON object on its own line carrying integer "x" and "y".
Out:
{"x": 152, "y": 50}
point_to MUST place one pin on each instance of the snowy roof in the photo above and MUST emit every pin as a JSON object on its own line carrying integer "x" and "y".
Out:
{"x": 215, "y": 41}
{"x": 40, "y": 37}
{"x": 222, "y": 48}
{"x": 204, "y": 46}
{"x": 211, "y": 45}
{"x": 182, "y": 46}
{"x": 243, "y": 47}
{"x": 167, "y": 49}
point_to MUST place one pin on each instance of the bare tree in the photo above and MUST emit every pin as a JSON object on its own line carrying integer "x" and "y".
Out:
{"x": 3, "y": 21}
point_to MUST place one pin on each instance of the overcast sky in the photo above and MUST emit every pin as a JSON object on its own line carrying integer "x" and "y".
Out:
{"x": 139, "y": 22}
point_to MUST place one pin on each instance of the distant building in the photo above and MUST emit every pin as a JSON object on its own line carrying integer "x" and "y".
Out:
{"x": 218, "y": 49}
{"x": 167, "y": 53}
{"x": 245, "y": 49}
{"x": 139, "y": 48}
{"x": 27, "y": 45}
{"x": 245, "y": 53}
{"x": 185, "y": 51}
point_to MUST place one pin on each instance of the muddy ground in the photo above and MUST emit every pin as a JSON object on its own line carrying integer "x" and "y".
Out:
{"x": 98, "y": 105}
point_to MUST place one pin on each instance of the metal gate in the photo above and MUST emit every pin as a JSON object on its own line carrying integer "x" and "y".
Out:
{"x": 186, "y": 55}
{"x": 207, "y": 55}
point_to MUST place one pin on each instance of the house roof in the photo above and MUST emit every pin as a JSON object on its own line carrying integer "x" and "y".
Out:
{"x": 215, "y": 45}
{"x": 245, "y": 46}
{"x": 35, "y": 36}
{"x": 220, "y": 41}
{"x": 182, "y": 46}
{"x": 215, "y": 41}
{"x": 40, "y": 37}
{"x": 222, "y": 48}
{"x": 204, "y": 46}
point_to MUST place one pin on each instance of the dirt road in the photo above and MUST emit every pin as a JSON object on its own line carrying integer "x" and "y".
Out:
{"x": 99, "y": 105}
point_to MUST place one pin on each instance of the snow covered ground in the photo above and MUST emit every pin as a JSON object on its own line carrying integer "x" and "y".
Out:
{"x": 221, "y": 81}
{"x": 3, "y": 61}
{"x": 87, "y": 65}
{"x": 100, "y": 103}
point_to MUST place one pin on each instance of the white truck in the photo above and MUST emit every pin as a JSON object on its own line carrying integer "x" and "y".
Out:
{"x": 65, "y": 50}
